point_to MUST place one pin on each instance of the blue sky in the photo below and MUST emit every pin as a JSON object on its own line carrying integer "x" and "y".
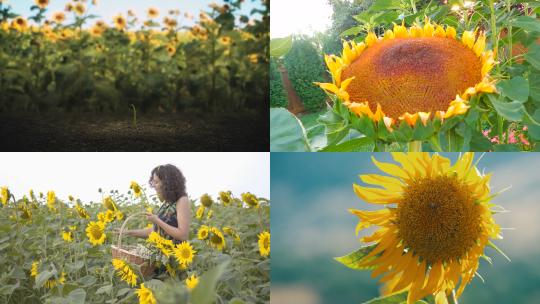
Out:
{"x": 310, "y": 224}
{"x": 107, "y": 9}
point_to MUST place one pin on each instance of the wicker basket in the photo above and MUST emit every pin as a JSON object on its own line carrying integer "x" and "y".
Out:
{"x": 124, "y": 252}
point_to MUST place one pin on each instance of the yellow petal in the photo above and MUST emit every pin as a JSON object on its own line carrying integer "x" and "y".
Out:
{"x": 485, "y": 86}
{"x": 390, "y": 169}
{"x": 439, "y": 32}
{"x": 428, "y": 29}
{"x": 440, "y": 298}
{"x": 330, "y": 87}
{"x": 400, "y": 31}
{"x": 388, "y": 121}
{"x": 376, "y": 195}
{"x": 450, "y": 32}
{"x": 480, "y": 45}
{"x": 410, "y": 119}
{"x": 389, "y": 34}
{"x": 388, "y": 182}
{"x": 346, "y": 83}
{"x": 468, "y": 39}
{"x": 424, "y": 117}
{"x": 371, "y": 39}
{"x": 416, "y": 31}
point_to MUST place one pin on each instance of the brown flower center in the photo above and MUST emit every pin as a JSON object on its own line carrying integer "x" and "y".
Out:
{"x": 412, "y": 74}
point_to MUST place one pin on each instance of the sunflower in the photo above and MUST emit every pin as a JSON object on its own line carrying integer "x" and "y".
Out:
{"x": 166, "y": 246}
{"x": 192, "y": 281}
{"x": 4, "y": 195}
{"x": 79, "y": 8}
{"x": 225, "y": 40}
{"x": 96, "y": 232}
{"x": 264, "y": 243}
{"x": 42, "y": 4}
{"x": 58, "y": 17}
{"x": 184, "y": 253}
{"x": 411, "y": 74}
{"x": 106, "y": 217}
{"x": 202, "y": 234}
{"x": 51, "y": 283}
{"x": 152, "y": 12}
{"x": 25, "y": 212}
{"x": 200, "y": 212}
{"x": 96, "y": 31}
{"x": 206, "y": 200}
{"x": 136, "y": 189}
{"x": 171, "y": 49}
{"x": 216, "y": 238}
{"x": 109, "y": 203}
{"x": 69, "y": 7}
{"x": 125, "y": 272}
{"x": 81, "y": 211}
{"x": 225, "y": 197}
{"x": 145, "y": 295}
{"x": 210, "y": 214}
{"x": 436, "y": 230}
{"x": 51, "y": 201}
{"x": 34, "y": 270}
{"x": 120, "y": 22}
{"x": 67, "y": 236}
{"x": 250, "y": 199}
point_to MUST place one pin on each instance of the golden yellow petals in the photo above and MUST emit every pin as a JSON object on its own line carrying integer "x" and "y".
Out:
{"x": 375, "y": 195}
{"x": 371, "y": 39}
{"x": 400, "y": 31}
{"x": 439, "y": 32}
{"x": 416, "y": 31}
{"x": 468, "y": 39}
{"x": 389, "y": 34}
{"x": 428, "y": 29}
{"x": 450, "y": 32}
{"x": 479, "y": 45}
{"x": 388, "y": 182}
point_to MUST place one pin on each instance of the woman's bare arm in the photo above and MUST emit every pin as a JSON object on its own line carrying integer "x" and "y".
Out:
{"x": 183, "y": 216}
{"x": 140, "y": 233}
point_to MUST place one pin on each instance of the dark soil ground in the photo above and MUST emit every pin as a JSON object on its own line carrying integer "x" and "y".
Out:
{"x": 154, "y": 132}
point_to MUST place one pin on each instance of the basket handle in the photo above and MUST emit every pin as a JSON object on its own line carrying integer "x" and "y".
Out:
{"x": 124, "y": 225}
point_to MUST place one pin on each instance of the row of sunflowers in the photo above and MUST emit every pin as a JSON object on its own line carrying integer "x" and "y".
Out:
{"x": 75, "y": 60}
{"x": 57, "y": 251}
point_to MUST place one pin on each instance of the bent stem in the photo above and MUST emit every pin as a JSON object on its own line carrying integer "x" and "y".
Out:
{"x": 415, "y": 146}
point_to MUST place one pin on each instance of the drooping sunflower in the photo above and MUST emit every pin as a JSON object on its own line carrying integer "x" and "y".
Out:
{"x": 120, "y": 22}
{"x": 166, "y": 246}
{"x": 137, "y": 191}
{"x": 192, "y": 281}
{"x": 250, "y": 199}
{"x": 202, "y": 234}
{"x": 96, "y": 232}
{"x": 42, "y": 4}
{"x": 206, "y": 200}
{"x": 436, "y": 225}
{"x": 51, "y": 283}
{"x": 51, "y": 201}
{"x": 264, "y": 243}
{"x": 79, "y": 8}
{"x": 411, "y": 74}
{"x": 4, "y": 195}
{"x": 200, "y": 212}
{"x": 216, "y": 238}
{"x": 125, "y": 272}
{"x": 145, "y": 295}
{"x": 184, "y": 253}
{"x": 152, "y": 12}
{"x": 109, "y": 203}
{"x": 58, "y": 17}
{"x": 81, "y": 211}
{"x": 225, "y": 197}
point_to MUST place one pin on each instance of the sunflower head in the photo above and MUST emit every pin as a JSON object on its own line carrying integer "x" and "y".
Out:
{"x": 152, "y": 12}
{"x": 125, "y": 272}
{"x": 136, "y": 189}
{"x": 109, "y": 203}
{"x": 4, "y": 195}
{"x": 192, "y": 281}
{"x": 79, "y": 8}
{"x": 200, "y": 212}
{"x": 42, "y": 4}
{"x": 434, "y": 229}
{"x": 216, "y": 239}
{"x": 206, "y": 200}
{"x": 264, "y": 243}
{"x": 202, "y": 234}
{"x": 120, "y": 22}
{"x": 96, "y": 232}
{"x": 145, "y": 295}
{"x": 225, "y": 197}
{"x": 67, "y": 236}
{"x": 59, "y": 17}
{"x": 184, "y": 253}
{"x": 251, "y": 200}
{"x": 411, "y": 75}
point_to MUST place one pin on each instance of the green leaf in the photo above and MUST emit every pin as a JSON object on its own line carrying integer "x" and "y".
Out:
{"x": 364, "y": 144}
{"x": 43, "y": 277}
{"x": 104, "y": 289}
{"x": 533, "y": 129}
{"x": 512, "y": 111}
{"x": 534, "y": 86}
{"x": 527, "y": 23}
{"x": 279, "y": 47}
{"x": 351, "y": 260}
{"x": 516, "y": 88}
{"x": 506, "y": 148}
{"x": 77, "y": 296}
{"x": 352, "y": 31}
{"x": 533, "y": 56}
{"x": 7, "y": 290}
{"x": 335, "y": 125}
{"x": 205, "y": 291}
{"x": 381, "y": 5}
{"x": 479, "y": 142}
{"x": 286, "y": 132}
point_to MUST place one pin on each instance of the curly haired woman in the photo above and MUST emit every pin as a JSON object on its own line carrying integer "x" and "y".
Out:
{"x": 174, "y": 216}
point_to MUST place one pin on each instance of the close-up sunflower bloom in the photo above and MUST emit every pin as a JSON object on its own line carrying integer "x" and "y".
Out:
{"x": 411, "y": 74}
{"x": 184, "y": 253}
{"x": 96, "y": 233}
{"x": 436, "y": 222}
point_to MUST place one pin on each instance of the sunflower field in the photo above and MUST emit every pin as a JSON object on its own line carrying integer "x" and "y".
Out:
{"x": 74, "y": 60}
{"x": 417, "y": 76}
{"x": 59, "y": 251}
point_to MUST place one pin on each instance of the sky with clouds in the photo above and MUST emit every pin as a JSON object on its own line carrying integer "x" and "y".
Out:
{"x": 82, "y": 174}
{"x": 311, "y": 195}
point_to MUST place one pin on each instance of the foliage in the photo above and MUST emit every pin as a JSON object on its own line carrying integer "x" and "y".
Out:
{"x": 278, "y": 96}
{"x": 85, "y": 66}
{"x": 305, "y": 66}
{"x": 238, "y": 274}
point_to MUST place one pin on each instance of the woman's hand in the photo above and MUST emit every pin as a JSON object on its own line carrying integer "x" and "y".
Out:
{"x": 152, "y": 218}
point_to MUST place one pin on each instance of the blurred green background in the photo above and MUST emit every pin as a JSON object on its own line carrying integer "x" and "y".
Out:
{"x": 310, "y": 225}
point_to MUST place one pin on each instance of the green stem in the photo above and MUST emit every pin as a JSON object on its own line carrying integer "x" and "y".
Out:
{"x": 415, "y": 146}
{"x": 435, "y": 144}
{"x": 508, "y": 6}
{"x": 500, "y": 123}
{"x": 134, "y": 116}
{"x": 452, "y": 299}
{"x": 494, "y": 40}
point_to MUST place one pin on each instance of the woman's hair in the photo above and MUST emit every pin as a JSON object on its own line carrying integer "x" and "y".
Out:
{"x": 172, "y": 180}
